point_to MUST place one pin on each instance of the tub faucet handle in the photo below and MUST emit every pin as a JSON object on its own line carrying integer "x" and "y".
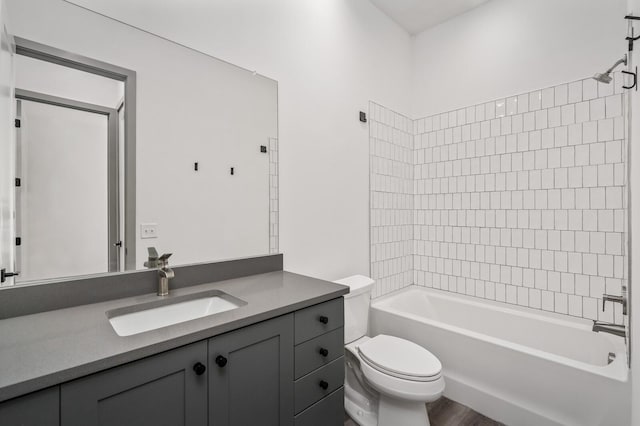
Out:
{"x": 616, "y": 299}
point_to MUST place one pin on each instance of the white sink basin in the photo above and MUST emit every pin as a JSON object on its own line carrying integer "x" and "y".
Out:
{"x": 162, "y": 313}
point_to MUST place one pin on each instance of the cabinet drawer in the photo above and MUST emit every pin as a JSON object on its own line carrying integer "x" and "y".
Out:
{"x": 328, "y": 412}
{"x": 318, "y": 319}
{"x": 309, "y": 355}
{"x": 315, "y": 386}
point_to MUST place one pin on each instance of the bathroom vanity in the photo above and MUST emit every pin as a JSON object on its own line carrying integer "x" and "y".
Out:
{"x": 276, "y": 360}
{"x": 84, "y": 337}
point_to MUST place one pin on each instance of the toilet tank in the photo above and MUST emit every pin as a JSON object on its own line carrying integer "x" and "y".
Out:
{"x": 356, "y": 306}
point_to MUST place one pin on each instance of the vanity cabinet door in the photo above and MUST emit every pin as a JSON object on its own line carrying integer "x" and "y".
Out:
{"x": 251, "y": 375}
{"x": 40, "y": 408}
{"x": 169, "y": 389}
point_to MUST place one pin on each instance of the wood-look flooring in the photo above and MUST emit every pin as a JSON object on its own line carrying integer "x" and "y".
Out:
{"x": 445, "y": 412}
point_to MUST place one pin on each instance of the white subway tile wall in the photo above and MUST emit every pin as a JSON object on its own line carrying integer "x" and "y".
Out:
{"x": 520, "y": 200}
{"x": 391, "y": 199}
{"x": 274, "y": 208}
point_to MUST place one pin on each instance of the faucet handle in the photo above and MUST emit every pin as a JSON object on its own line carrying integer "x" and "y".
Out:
{"x": 616, "y": 299}
{"x": 153, "y": 253}
{"x": 152, "y": 262}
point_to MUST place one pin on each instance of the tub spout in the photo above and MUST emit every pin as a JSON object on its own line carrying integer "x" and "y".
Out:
{"x": 605, "y": 327}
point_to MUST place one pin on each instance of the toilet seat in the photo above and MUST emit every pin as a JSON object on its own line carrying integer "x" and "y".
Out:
{"x": 384, "y": 375}
{"x": 400, "y": 358}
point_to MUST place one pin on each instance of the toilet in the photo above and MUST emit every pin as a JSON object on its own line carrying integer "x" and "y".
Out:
{"x": 388, "y": 380}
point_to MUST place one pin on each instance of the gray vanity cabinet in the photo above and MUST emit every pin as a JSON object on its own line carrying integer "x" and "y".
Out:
{"x": 251, "y": 375}
{"x": 40, "y": 408}
{"x": 166, "y": 389}
{"x": 284, "y": 371}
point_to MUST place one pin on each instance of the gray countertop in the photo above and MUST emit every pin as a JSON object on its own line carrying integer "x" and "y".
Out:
{"x": 49, "y": 348}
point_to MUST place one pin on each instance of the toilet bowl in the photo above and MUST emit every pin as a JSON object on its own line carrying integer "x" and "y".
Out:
{"x": 388, "y": 380}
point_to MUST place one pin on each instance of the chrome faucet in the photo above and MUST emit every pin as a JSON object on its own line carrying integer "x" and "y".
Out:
{"x": 164, "y": 272}
{"x": 164, "y": 275}
{"x": 605, "y": 327}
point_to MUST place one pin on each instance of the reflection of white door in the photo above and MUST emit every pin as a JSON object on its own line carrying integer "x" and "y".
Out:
{"x": 7, "y": 148}
{"x": 64, "y": 203}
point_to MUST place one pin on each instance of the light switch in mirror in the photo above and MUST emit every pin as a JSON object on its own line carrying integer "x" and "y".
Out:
{"x": 126, "y": 141}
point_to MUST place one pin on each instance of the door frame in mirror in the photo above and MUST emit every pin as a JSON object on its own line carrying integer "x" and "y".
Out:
{"x": 113, "y": 210}
{"x": 128, "y": 77}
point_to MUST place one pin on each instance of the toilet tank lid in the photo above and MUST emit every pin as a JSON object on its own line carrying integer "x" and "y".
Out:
{"x": 357, "y": 284}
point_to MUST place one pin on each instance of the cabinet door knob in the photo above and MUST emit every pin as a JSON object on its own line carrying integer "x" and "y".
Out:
{"x": 323, "y": 352}
{"x": 324, "y": 385}
{"x": 199, "y": 368}
{"x": 221, "y": 361}
{"x": 323, "y": 319}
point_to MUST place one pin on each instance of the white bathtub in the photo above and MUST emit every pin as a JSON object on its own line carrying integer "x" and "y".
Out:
{"x": 516, "y": 365}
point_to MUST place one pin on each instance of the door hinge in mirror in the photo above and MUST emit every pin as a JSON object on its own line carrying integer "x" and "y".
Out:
{"x": 17, "y": 122}
{"x": 18, "y": 182}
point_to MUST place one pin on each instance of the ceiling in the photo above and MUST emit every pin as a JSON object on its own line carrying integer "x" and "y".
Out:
{"x": 416, "y": 16}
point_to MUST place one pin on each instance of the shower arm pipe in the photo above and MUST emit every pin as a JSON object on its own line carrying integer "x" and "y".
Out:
{"x": 622, "y": 60}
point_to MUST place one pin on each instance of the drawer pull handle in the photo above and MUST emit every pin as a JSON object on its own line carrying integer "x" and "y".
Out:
{"x": 221, "y": 361}
{"x": 324, "y": 385}
{"x": 324, "y": 352}
{"x": 323, "y": 319}
{"x": 199, "y": 368}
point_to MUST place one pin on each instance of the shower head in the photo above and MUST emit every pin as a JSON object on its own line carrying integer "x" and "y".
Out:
{"x": 603, "y": 78}
{"x": 606, "y": 76}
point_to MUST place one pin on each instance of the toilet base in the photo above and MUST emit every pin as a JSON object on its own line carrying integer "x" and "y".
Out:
{"x": 359, "y": 412}
{"x": 392, "y": 411}
{"x": 384, "y": 410}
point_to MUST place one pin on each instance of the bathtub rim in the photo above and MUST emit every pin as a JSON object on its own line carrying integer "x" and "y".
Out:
{"x": 617, "y": 370}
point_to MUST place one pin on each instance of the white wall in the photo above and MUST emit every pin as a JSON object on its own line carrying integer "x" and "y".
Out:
{"x": 330, "y": 58}
{"x": 506, "y": 47}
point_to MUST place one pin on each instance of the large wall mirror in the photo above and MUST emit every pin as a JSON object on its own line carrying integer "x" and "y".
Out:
{"x": 124, "y": 141}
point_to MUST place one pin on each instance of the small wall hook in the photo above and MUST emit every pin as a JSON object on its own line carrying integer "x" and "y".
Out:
{"x": 635, "y": 79}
